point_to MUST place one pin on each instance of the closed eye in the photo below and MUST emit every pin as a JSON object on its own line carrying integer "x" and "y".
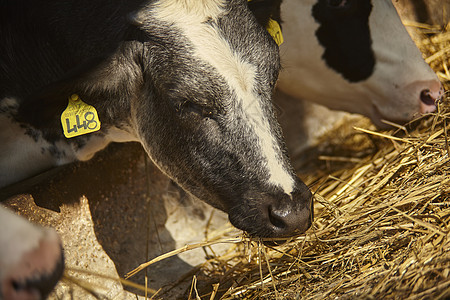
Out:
{"x": 203, "y": 111}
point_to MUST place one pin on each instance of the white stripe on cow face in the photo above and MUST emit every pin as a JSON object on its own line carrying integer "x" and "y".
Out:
{"x": 190, "y": 18}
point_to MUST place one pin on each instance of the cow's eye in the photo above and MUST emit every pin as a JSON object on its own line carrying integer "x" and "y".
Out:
{"x": 337, "y": 3}
{"x": 188, "y": 106}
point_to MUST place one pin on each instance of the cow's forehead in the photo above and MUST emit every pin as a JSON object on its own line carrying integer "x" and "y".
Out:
{"x": 217, "y": 52}
{"x": 246, "y": 67}
{"x": 188, "y": 10}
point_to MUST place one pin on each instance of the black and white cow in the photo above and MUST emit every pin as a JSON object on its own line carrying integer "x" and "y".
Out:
{"x": 31, "y": 258}
{"x": 356, "y": 56}
{"x": 431, "y": 12}
{"x": 191, "y": 80}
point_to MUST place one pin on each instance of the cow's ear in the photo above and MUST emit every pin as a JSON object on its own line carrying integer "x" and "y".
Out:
{"x": 47, "y": 104}
{"x": 43, "y": 108}
{"x": 264, "y": 10}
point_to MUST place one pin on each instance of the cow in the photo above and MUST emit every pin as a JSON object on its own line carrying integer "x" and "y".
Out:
{"x": 355, "y": 56}
{"x": 31, "y": 258}
{"x": 191, "y": 80}
{"x": 432, "y": 12}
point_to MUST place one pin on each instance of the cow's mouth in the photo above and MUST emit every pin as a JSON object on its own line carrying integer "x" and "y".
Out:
{"x": 381, "y": 122}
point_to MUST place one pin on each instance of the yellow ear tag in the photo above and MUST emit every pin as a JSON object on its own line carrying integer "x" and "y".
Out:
{"x": 274, "y": 30}
{"x": 79, "y": 118}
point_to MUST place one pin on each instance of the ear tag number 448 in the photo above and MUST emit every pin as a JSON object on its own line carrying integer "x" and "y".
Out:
{"x": 79, "y": 118}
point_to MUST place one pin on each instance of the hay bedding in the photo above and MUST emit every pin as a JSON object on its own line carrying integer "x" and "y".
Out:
{"x": 381, "y": 231}
{"x": 382, "y": 221}
{"x": 381, "y": 228}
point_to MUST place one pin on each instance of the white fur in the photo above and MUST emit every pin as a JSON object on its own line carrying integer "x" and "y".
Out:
{"x": 16, "y": 238}
{"x": 98, "y": 142}
{"x": 20, "y": 155}
{"x": 239, "y": 74}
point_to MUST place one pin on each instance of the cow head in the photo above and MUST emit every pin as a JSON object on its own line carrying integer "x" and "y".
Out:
{"x": 203, "y": 112}
{"x": 355, "y": 56}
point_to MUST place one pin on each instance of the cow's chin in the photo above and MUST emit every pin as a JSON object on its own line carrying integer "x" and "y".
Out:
{"x": 385, "y": 123}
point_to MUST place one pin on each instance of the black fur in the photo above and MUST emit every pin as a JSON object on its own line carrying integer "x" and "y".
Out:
{"x": 265, "y": 10}
{"x": 345, "y": 34}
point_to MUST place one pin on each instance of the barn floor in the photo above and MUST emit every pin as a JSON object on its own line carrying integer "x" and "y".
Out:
{"x": 112, "y": 217}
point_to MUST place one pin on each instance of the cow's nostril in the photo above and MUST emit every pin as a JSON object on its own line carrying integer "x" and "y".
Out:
{"x": 276, "y": 218}
{"x": 426, "y": 97}
{"x": 17, "y": 286}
